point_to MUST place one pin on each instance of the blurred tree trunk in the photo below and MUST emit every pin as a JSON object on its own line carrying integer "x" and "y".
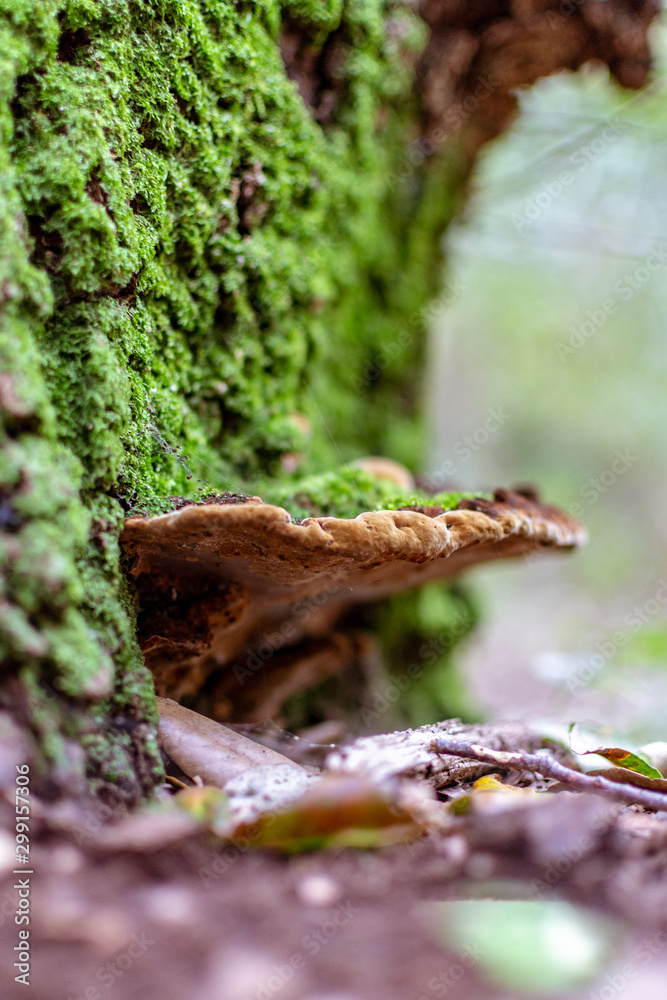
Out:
{"x": 212, "y": 213}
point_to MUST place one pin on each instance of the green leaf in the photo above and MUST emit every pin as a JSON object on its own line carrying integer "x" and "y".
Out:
{"x": 525, "y": 948}
{"x": 627, "y": 759}
{"x": 205, "y": 804}
{"x": 637, "y": 761}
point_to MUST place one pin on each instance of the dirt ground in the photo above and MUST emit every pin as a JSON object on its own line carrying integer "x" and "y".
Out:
{"x": 202, "y": 920}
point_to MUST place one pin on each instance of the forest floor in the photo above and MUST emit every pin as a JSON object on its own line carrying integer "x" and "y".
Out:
{"x": 116, "y": 917}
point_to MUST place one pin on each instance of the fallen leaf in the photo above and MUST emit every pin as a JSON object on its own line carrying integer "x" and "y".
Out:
{"x": 214, "y": 752}
{"x": 657, "y": 754}
{"x": 153, "y": 829}
{"x": 490, "y": 783}
{"x": 205, "y": 804}
{"x": 628, "y": 777}
{"x": 626, "y": 759}
{"x": 483, "y": 793}
{"x": 338, "y": 811}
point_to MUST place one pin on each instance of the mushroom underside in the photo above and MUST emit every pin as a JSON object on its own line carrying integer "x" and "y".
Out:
{"x": 238, "y": 598}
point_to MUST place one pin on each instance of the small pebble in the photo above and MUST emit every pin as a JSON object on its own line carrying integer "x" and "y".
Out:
{"x": 480, "y": 866}
{"x": 318, "y": 890}
{"x": 66, "y": 860}
{"x": 171, "y": 905}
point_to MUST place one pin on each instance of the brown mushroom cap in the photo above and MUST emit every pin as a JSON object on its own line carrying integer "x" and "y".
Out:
{"x": 224, "y": 581}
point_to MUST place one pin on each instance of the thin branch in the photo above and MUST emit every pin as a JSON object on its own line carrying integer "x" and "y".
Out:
{"x": 549, "y": 767}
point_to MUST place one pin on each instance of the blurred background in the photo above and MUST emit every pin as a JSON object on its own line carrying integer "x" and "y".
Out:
{"x": 547, "y": 367}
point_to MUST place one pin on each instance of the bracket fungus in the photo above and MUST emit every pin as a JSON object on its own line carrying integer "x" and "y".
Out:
{"x": 231, "y": 588}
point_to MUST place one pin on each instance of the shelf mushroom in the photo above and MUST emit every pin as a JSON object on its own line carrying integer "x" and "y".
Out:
{"x": 240, "y": 596}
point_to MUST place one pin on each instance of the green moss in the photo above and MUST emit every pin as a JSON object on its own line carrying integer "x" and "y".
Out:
{"x": 183, "y": 245}
{"x": 348, "y": 492}
{"x": 169, "y": 166}
{"x": 418, "y": 633}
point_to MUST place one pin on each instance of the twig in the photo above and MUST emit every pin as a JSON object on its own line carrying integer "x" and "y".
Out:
{"x": 175, "y": 781}
{"x": 549, "y": 767}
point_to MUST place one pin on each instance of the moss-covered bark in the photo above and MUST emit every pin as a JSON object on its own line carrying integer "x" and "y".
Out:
{"x": 197, "y": 259}
{"x": 179, "y": 237}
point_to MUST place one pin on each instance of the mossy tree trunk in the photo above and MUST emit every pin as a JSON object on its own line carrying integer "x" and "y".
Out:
{"x": 220, "y": 222}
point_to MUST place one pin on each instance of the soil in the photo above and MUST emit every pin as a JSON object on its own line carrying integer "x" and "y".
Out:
{"x": 205, "y": 920}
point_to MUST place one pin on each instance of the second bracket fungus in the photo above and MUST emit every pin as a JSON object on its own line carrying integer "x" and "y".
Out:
{"x": 239, "y": 596}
